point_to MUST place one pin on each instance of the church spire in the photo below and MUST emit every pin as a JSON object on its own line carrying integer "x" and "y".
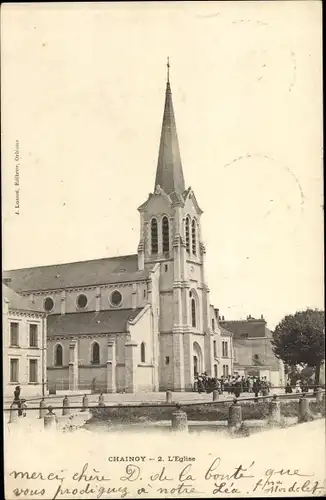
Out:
{"x": 169, "y": 174}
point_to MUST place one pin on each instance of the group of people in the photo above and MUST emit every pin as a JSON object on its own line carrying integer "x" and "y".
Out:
{"x": 21, "y": 403}
{"x": 235, "y": 384}
{"x": 301, "y": 385}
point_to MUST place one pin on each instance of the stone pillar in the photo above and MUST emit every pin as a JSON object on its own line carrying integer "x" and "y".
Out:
{"x": 216, "y": 395}
{"x": 111, "y": 368}
{"x": 13, "y": 415}
{"x": 73, "y": 366}
{"x": 50, "y": 421}
{"x": 274, "y": 415}
{"x": 235, "y": 415}
{"x": 130, "y": 366}
{"x": 319, "y": 395}
{"x": 42, "y": 408}
{"x": 179, "y": 420}
{"x": 85, "y": 403}
{"x": 304, "y": 410}
{"x": 98, "y": 299}
{"x": 65, "y": 405}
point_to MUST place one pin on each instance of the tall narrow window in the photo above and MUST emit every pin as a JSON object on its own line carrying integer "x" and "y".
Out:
{"x": 32, "y": 335}
{"x": 193, "y": 313}
{"x": 213, "y": 324}
{"x": 14, "y": 334}
{"x": 14, "y": 371}
{"x": 226, "y": 350}
{"x": 194, "y": 237}
{"x": 165, "y": 234}
{"x": 96, "y": 354}
{"x": 58, "y": 355}
{"x": 154, "y": 236}
{"x": 142, "y": 352}
{"x": 33, "y": 371}
{"x": 215, "y": 371}
{"x": 214, "y": 349}
{"x": 187, "y": 231}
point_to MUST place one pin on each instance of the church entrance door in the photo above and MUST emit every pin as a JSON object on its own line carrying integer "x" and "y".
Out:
{"x": 195, "y": 366}
{"x": 197, "y": 359}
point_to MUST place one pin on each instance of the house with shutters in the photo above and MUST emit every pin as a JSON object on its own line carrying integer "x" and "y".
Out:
{"x": 142, "y": 321}
{"x": 253, "y": 352}
{"x": 23, "y": 345}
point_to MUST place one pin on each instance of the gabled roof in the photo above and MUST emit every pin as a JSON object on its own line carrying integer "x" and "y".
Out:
{"x": 190, "y": 194}
{"x": 169, "y": 173}
{"x": 18, "y": 302}
{"x": 110, "y": 321}
{"x": 78, "y": 274}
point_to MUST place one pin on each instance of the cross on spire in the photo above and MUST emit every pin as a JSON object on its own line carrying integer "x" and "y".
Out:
{"x": 168, "y": 70}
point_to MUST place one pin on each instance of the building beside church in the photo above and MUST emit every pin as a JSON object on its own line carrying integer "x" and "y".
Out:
{"x": 23, "y": 345}
{"x": 253, "y": 353}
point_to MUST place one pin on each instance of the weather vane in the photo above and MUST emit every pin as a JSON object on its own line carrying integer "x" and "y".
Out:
{"x": 168, "y": 67}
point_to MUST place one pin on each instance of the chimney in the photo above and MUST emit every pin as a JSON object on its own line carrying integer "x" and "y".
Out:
{"x": 261, "y": 316}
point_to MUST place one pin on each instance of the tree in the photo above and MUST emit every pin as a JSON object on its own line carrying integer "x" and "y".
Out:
{"x": 299, "y": 339}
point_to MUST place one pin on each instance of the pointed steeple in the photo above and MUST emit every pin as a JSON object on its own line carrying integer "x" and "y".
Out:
{"x": 169, "y": 174}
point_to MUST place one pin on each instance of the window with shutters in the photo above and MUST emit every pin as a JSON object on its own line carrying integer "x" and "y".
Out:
{"x": 14, "y": 334}
{"x": 14, "y": 370}
{"x": 33, "y": 371}
{"x": 154, "y": 237}
{"x": 33, "y": 337}
{"x": 165, "y": 234}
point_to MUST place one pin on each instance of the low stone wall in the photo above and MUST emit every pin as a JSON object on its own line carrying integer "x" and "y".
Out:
{"x": 201, "y": 412}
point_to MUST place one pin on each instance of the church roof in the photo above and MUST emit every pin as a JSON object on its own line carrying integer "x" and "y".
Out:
{"x": 110, "y": 321}
{"x": 169, "y": 174}
{"x": 18, "y": 302}
{"x": 77, "y": 274}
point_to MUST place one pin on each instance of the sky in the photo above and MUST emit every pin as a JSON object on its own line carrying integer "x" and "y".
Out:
{"x": 83, "y": 92}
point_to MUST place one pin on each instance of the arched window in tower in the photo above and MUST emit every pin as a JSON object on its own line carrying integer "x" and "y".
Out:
{"x": 193, "y": 313}
{"x": 154, "y": 236}
{"x": 95, "y": 354}
{"x": 187, "y": 231}
{"x": 165, "y": 234}
{"x": 194, "y": 237}
{"x": 142, "y": 352}
{"x": 58, "y": 355}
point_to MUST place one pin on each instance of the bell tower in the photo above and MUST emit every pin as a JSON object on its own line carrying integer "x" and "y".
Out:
{"x": 170, "y": 233}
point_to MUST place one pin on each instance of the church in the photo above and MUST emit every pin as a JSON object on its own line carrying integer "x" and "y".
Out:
{"x": 141, "y": 321}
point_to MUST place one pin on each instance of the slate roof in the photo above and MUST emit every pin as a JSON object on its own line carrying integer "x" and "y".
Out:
{"x": 225, "y": 332}
{"x": 110, "y": 321}
{"x": 169, "y": 174}
{"x": 252, "y": 328}
{"x": 77, "y": 274}
{"x": 18, "y": 302}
